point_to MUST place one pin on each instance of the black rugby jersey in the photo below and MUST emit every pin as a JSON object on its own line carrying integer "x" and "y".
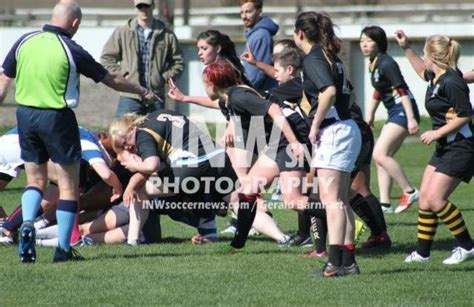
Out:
{"x": 446, "y": 99}
{"x": 385, "y": 76}
{"x": 171, "y": 136}
{"x": 319, "y": 74}
{"x": 244, "y": 103}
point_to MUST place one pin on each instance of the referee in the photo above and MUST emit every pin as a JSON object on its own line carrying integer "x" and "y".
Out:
{"x": 47, "y": 65}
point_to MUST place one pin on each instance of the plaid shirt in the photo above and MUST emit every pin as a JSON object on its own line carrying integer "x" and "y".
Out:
{"x": 144, "y": 56}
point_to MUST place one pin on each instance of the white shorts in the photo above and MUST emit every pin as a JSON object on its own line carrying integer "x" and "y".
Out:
{"x": 338, "y": 148}
{"x": 10, "y": 155}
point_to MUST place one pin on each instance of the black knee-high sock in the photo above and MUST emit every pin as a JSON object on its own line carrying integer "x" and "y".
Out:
{"x": 452, "y": 217}
{"x": 15, "y": 219}
{"x": 315, "y": 207}
{"x": 376, "y": 209}
{"x": 304, "y": 224}
{"x": 335, "y": 255}
{"x": 360, "y": 206}
{"x": 427, "y": 224}
{"x": 348, "y": 255}
{"x": 319, "y": 230}
{"x": 245, "y": 218}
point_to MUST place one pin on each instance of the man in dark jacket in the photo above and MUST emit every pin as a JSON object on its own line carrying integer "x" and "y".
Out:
{"x": 259, "y": 32}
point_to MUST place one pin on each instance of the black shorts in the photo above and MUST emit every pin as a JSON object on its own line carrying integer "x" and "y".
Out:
{"x": 284, "y": 158}
{"x": 48, "y": 134}
{"x": 455, "y": 159}
{"x": 5, "y": 177}
{"x": 213, "y": 178}
{"x": 367, "y": 148}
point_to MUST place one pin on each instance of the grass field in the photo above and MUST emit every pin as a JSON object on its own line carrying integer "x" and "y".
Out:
{"x": 178, "y": 273}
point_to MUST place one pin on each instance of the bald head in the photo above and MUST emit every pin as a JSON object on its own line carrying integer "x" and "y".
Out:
{"x": 67, "y": 15}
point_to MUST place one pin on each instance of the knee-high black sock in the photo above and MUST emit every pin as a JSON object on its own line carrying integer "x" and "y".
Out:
{"x": 304, "y": 223}
{"x": 319, "y": 230}
{"x": 376, "y": 209}
{"x": 15, "y": 219}
{"x": 245, "y": 218}
{"x": 427, "y": 224}
{"x": 348, "y": 255}
{"x": 360, "y": 206}
{"x": 452, "y": 217}
{"x": 335, "y": 255}
{"x": 315, "y": 207}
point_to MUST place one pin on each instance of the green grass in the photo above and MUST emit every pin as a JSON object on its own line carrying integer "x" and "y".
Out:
{"x": 176, "y": 272}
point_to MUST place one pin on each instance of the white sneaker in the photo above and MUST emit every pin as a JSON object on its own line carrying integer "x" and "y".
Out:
{"x": 387, "y": 209}
{"x": 459, "y": 255}
{"x": 6, "y": 240}
{"x": 406, "y": 200}
{"x": 415, "y": 257}
{"x": 285, "y": 242}
{"x": 253, "y": 232}
{"x": 230, "y": 229}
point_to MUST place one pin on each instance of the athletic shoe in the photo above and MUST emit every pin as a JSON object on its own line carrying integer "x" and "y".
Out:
{"x": 314, "y": 254}
{"x": 459, "y": 255}
{"x": 26, "y": 248}
{"x": 230, "y": 230}
{"x": 86, "y": 241}
{"x": 329, "y": 271}
{"x": 360, "y": 228}
{"x": 300, "y": 241}
{"x": 382, "y": 240}
{"x": 353, "y": 269}
{"x": 83, "y": 241}
{"x": 285, "y": 242}
{"x": 406, "y": 200}
{"x": 253, "y": 232}
{"x": 133, "y": 242}
{"x": 60, "y": 255}
{"x": 388, "y": 209}
{"x": 415, "y": 257}
{"x": 41, "y": 223}
{"x": 6, "y": 240}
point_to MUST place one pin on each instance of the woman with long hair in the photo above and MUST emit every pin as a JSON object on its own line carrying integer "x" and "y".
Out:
{"x": 447, "y": 102}
{"x": 335, "y": 135}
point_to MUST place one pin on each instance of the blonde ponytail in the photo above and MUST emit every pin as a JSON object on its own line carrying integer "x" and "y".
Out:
{"x": 443, "y": 51}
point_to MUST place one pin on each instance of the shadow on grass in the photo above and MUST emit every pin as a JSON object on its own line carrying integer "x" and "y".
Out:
{"x": 412, "y": 269}
{"x": 138, "y": 255}
{"x": 406, "y": 248}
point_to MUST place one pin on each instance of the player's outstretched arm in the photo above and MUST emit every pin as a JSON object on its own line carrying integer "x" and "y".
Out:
{"x": 5, "y": 84}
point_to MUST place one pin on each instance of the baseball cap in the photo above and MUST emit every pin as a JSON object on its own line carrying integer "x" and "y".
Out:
{"x": 147, "y": 2}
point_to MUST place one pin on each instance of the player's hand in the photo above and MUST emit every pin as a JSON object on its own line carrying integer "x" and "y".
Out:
{"x": 248, "y": 56}
{"x": 314, "y": 134}
{"x": 199, "y": 240}
{"x": 130, "y": 196}
{"x": 370, "y": 121}
{"x": 130, "y": 162}
{"x": 148, "y": 97}
{"x": 174, "y": 92}
{"x": 412, "y": 126}
{"x": 298, "y": 150}
{"x": 116, "y": 193}
{"x": 429, "y": 137}
{"x": 402, "y": 39}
